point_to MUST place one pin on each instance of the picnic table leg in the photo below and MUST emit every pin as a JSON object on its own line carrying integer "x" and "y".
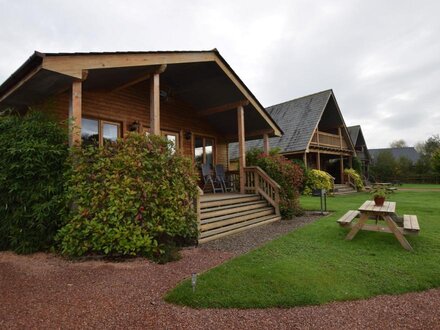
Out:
{"x": 362, "y": 220}
{"x": 393, "y": 227}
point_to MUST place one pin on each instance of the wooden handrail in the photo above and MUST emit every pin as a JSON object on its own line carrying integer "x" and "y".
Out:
{"x": 259, "y": 182}
{"x": 197, "y": 207}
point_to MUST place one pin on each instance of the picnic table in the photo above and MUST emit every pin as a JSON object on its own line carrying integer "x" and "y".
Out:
{"x": 386, "y": 213}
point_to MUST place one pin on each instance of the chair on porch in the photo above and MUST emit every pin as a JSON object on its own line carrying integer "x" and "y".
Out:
{"x": 209, "y": 181}
{"x": 220, "y": 176}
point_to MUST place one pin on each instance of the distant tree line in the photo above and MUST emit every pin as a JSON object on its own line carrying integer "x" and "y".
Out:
{"x": 426, "y": 170}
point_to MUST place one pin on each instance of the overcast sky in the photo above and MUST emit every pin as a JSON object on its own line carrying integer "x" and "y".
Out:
{"x": 381, "y": 58}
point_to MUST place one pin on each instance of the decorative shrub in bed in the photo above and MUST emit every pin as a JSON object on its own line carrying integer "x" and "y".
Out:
{"x": 33, "y": 150}
{"x": 355, "y": 177}
{"x": 287, "y": 174}
{"x": 317, "y": 179}
{"x": 133, "y": 197}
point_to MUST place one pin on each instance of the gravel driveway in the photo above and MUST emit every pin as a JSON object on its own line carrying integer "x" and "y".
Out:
{"x": 43, "y": 291}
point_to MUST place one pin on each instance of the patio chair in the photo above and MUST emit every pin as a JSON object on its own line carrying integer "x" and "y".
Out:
{"x": 209, "y": 181}
{"x": 220, "y": 176}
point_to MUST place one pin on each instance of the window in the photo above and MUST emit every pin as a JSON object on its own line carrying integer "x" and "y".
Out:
{"x": 89, "y": 132}
{"x": 174, "y": 138}
{"x": 169, "y": 135}
{"x": 98, "y": 132}
{"x": 204, "y": 151}
{"x": 110, "y": 131}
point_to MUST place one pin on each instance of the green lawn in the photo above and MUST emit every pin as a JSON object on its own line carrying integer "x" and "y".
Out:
{"x": 315, "y": 265}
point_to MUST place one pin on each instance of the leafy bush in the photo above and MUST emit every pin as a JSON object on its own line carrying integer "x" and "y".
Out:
{"x": 356, "y": 178}
{"x": 287, "y": 174}
{"x": 33, "y": 150}
{"x": 357, "y": 165}
{"x": 317, "y": 179}
{"x": 133, "y": 197}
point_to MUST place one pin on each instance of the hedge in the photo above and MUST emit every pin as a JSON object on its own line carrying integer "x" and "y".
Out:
{"x": 133, "y": 197}
{"x": 33, "y": 151}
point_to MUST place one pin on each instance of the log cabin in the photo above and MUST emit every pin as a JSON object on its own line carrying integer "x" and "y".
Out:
{"x": 314, "y": 132}
{"x": 192, "y": 98}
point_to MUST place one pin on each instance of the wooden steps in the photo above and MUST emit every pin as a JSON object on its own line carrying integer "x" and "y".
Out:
{"x": 226, "y": 214}
{"x": 343, "y": 189}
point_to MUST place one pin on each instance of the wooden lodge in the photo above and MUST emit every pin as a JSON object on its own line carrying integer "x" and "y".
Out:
{"x": 314, "y": 131}
{"x": 193, "y": 98}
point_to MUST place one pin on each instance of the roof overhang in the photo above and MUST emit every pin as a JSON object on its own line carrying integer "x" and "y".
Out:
{"x": 201, "y": 78}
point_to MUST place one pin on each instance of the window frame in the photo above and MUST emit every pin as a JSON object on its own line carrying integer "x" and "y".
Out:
{"x": 101, "y": 123}
{"x": 204, "y": 138}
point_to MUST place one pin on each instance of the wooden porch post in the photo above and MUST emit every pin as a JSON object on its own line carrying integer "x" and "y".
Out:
{"x": 241, "y": 147}
{"x": 318, "y": 156}
{"x": 266, "y": 147}
{"x": 350, "y": 161}
{"x": 318, "y": 160}
{"x": 342, "y": 168}
{"x": 75, "y": 114}
{"x": 155, "y": 104}
{"x": 305, "y": 160}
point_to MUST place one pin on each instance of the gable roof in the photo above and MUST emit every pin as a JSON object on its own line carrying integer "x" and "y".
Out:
{"x": 298, "y": 119}
{"x": 407, "y": 152}
{"x": 46, "y": 74}
{"x": 354, "y": 133}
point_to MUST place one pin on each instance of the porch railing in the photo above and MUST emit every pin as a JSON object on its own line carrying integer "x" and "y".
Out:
{"x": 258, "y": 182}
{"x": 328, "y": 140}
{"x": 197, "y": 207}
{"x": 350, "y": 180}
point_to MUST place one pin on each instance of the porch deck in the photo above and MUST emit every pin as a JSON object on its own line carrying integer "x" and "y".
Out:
{"x": 221, "y": 196}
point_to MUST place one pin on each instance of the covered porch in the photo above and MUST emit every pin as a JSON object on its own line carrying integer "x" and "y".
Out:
{"x": 194, "y": 99}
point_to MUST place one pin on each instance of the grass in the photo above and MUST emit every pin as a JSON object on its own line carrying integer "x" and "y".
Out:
{"x": 315, "y": 265}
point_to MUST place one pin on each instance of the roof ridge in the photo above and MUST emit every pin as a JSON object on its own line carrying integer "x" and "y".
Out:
{"x": 298, "y": 98}
{"x": 126, "y": 52}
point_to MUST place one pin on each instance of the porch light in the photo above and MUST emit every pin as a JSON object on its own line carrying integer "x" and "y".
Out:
{"x": 187, "y": 135}
{"x": 134, "y": 126}
{"x": 194, "y": 281}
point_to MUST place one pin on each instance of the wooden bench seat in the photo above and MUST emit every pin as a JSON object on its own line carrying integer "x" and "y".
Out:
{"x": 347, "y": 218}
{"x": 410, "y": 224}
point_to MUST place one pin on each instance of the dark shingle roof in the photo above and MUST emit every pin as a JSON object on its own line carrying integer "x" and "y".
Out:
{"x": 408, "y": 152}
{"x": 354, "y": 133}
{"x": 297, "y": 118}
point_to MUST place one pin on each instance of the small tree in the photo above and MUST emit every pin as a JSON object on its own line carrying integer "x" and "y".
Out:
{"x": 436, "y": 161}
{"x": 384, "y": 166}
{"x": 398, "y": 144}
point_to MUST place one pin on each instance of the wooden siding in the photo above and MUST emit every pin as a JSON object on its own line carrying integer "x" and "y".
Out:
{"x": 133, "y": 104}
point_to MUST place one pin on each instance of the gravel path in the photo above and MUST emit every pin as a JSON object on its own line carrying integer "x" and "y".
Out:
{"x": 251, "y": 239}
{"x": 43, "y": 291}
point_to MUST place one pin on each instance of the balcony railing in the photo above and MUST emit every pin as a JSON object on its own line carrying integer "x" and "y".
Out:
{"x": 328, "y": 140}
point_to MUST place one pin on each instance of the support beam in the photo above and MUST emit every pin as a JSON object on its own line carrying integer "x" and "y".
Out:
{"x": 132, "y": 82}
{"x": 342, "y": 168}
{"x": 305, "y": 160}
{"x": 155, "y": 104}
{"x": 223, "y": 108}
{"x": 241, "y": 147}
{"x": 318, "y": 155}
{"x": 266, "y": 147}
{"x": 340, "y": 137}
{"x": 75, "y": 114}
{"x": 318, "y": 160}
